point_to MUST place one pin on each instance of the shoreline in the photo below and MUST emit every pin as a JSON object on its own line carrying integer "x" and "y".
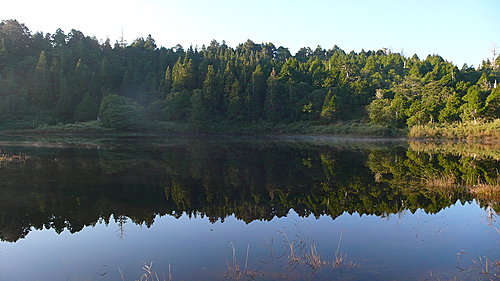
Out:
{"x": 467, "y": 132}
{"x": 270, "y": 136}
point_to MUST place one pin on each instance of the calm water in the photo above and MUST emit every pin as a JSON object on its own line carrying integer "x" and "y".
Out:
{"x": 240, "y": 209}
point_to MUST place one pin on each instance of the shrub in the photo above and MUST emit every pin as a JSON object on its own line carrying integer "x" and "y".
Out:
{"x": 122, "y": 114}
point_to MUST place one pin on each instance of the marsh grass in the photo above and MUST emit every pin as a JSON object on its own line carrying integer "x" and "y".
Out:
{"x": 487, "y": 191}
{"x": 447, "y": 182}
{"x": 303, "y": 251}
{"x": 446, "y": 185}
{"x": 449, "y": 185}
{"x": 150, "y": 275}
{"x": 12, "y": 158}
{"x": 470, "y": 130}
{"x": 235, "y": 271}
{"x": 481, "y": 264}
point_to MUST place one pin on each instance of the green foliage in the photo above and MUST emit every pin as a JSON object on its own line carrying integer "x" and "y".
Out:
{"x": 120, "y": 113}
{"x": 156, "y": 111}
{"x": 473, "y": 103}
{"x": 87, "y": 109}
{"x": 330, "y": 110}
{"x": 451, "y": 112}
{"x": 67, "y": 75}
{"x": 199, "y": 113}
{"x": 84, "y": 128}
{"x": 492, "y": 105}
{"x": 379, "y": 111}
{"x": 177, "y": 106}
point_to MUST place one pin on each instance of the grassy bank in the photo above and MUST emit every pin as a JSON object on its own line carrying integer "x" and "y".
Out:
{"x": 463, "y": 131}
{"x": 230, "y": 128}
{"x": 467, "y": 131}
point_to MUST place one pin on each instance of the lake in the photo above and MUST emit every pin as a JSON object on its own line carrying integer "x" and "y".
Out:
{"x": 220, "y": 208}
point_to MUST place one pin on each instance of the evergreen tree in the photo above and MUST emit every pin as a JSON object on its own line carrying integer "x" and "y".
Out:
{"x": 330, "y": 108}
{"x": 236, "y": 109}
{"x": 451, "y": 112}
{"x": 41, "y": 86}
{"x": 167, "y": 82}
{"x": 86, "y": 109}
{"x": 273, "y": 103}
{"x": 471, "y": 109}
{"x": 212, "y": 93}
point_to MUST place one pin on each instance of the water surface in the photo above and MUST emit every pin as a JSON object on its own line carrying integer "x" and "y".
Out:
{"x": 214, "y": 209}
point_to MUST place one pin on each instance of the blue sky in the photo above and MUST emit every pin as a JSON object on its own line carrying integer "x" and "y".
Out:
{"x": 460, "y": 31}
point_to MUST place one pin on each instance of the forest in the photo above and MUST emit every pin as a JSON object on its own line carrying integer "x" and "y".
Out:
{"x": 59, "y": 78}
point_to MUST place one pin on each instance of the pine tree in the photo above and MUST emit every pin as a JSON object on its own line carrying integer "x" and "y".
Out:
{"x": 330, "y": 108}
{"x": 41, "y": 85}
{"x": 236, "y": 109}
{"x": 211, "y": 92}
{"x": 166, "y": 83}
{"x": 87, "y": 109}
{"x": 451, "y": 112}
{"x": 273, "y": 105}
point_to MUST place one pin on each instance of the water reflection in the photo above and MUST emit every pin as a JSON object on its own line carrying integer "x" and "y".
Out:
{"x": 71, "y": 187}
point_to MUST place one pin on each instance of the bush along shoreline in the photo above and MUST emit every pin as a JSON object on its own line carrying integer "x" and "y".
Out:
{"x": 481, "y": 131}
{"x": 122, "y": 116}
{"x": 95, "y": 128}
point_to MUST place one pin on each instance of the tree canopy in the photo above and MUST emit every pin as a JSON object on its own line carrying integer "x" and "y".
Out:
{"x": 62, "y": 78}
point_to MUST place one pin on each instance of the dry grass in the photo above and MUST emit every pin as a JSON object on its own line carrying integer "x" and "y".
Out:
{"x": 443, "y": 184}
{"x": 304, "y": 252}
{"x": 12, "y": 158}
{"x": 235, "y": 271}
{"x": 440, "y": 181}
{"x": 471, "y": 130}
{"x": 482, "y": 265}
{"x": 487, "y": 191}
{"x": 448, "y": 184}
{"x": 150, "y": 275}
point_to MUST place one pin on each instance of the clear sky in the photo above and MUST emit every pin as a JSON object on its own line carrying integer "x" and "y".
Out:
{"x": 462, "y": 31}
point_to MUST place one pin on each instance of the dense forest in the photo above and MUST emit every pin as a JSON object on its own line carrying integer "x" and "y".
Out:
{"x": 66, "y": 78}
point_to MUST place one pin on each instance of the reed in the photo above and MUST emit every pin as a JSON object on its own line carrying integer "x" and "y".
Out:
{"x": 304, "y": 252}
{"x": 149, "y": 274}
{"x": 470, "y": 130}
{"x": 487, "y": 191}
{"x": 6, "y": 158}
{"x": 236, "y": 272}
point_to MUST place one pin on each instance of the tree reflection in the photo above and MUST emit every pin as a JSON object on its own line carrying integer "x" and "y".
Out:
{"x": 72, "y": 188}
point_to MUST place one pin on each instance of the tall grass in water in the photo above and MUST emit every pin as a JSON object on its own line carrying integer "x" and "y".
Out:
{"x": 448, "y": 184}
{"x": 12, "y": 158}
{"x": 470, "y": 130}
{"x": 487, "y": 191}
{"x": 150, "y": 275}
{"x": 444, "y": 184}
{"x": 235, "y": 271}
{"x": 482, "y": 265}
{"x": 302, "y": 251}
